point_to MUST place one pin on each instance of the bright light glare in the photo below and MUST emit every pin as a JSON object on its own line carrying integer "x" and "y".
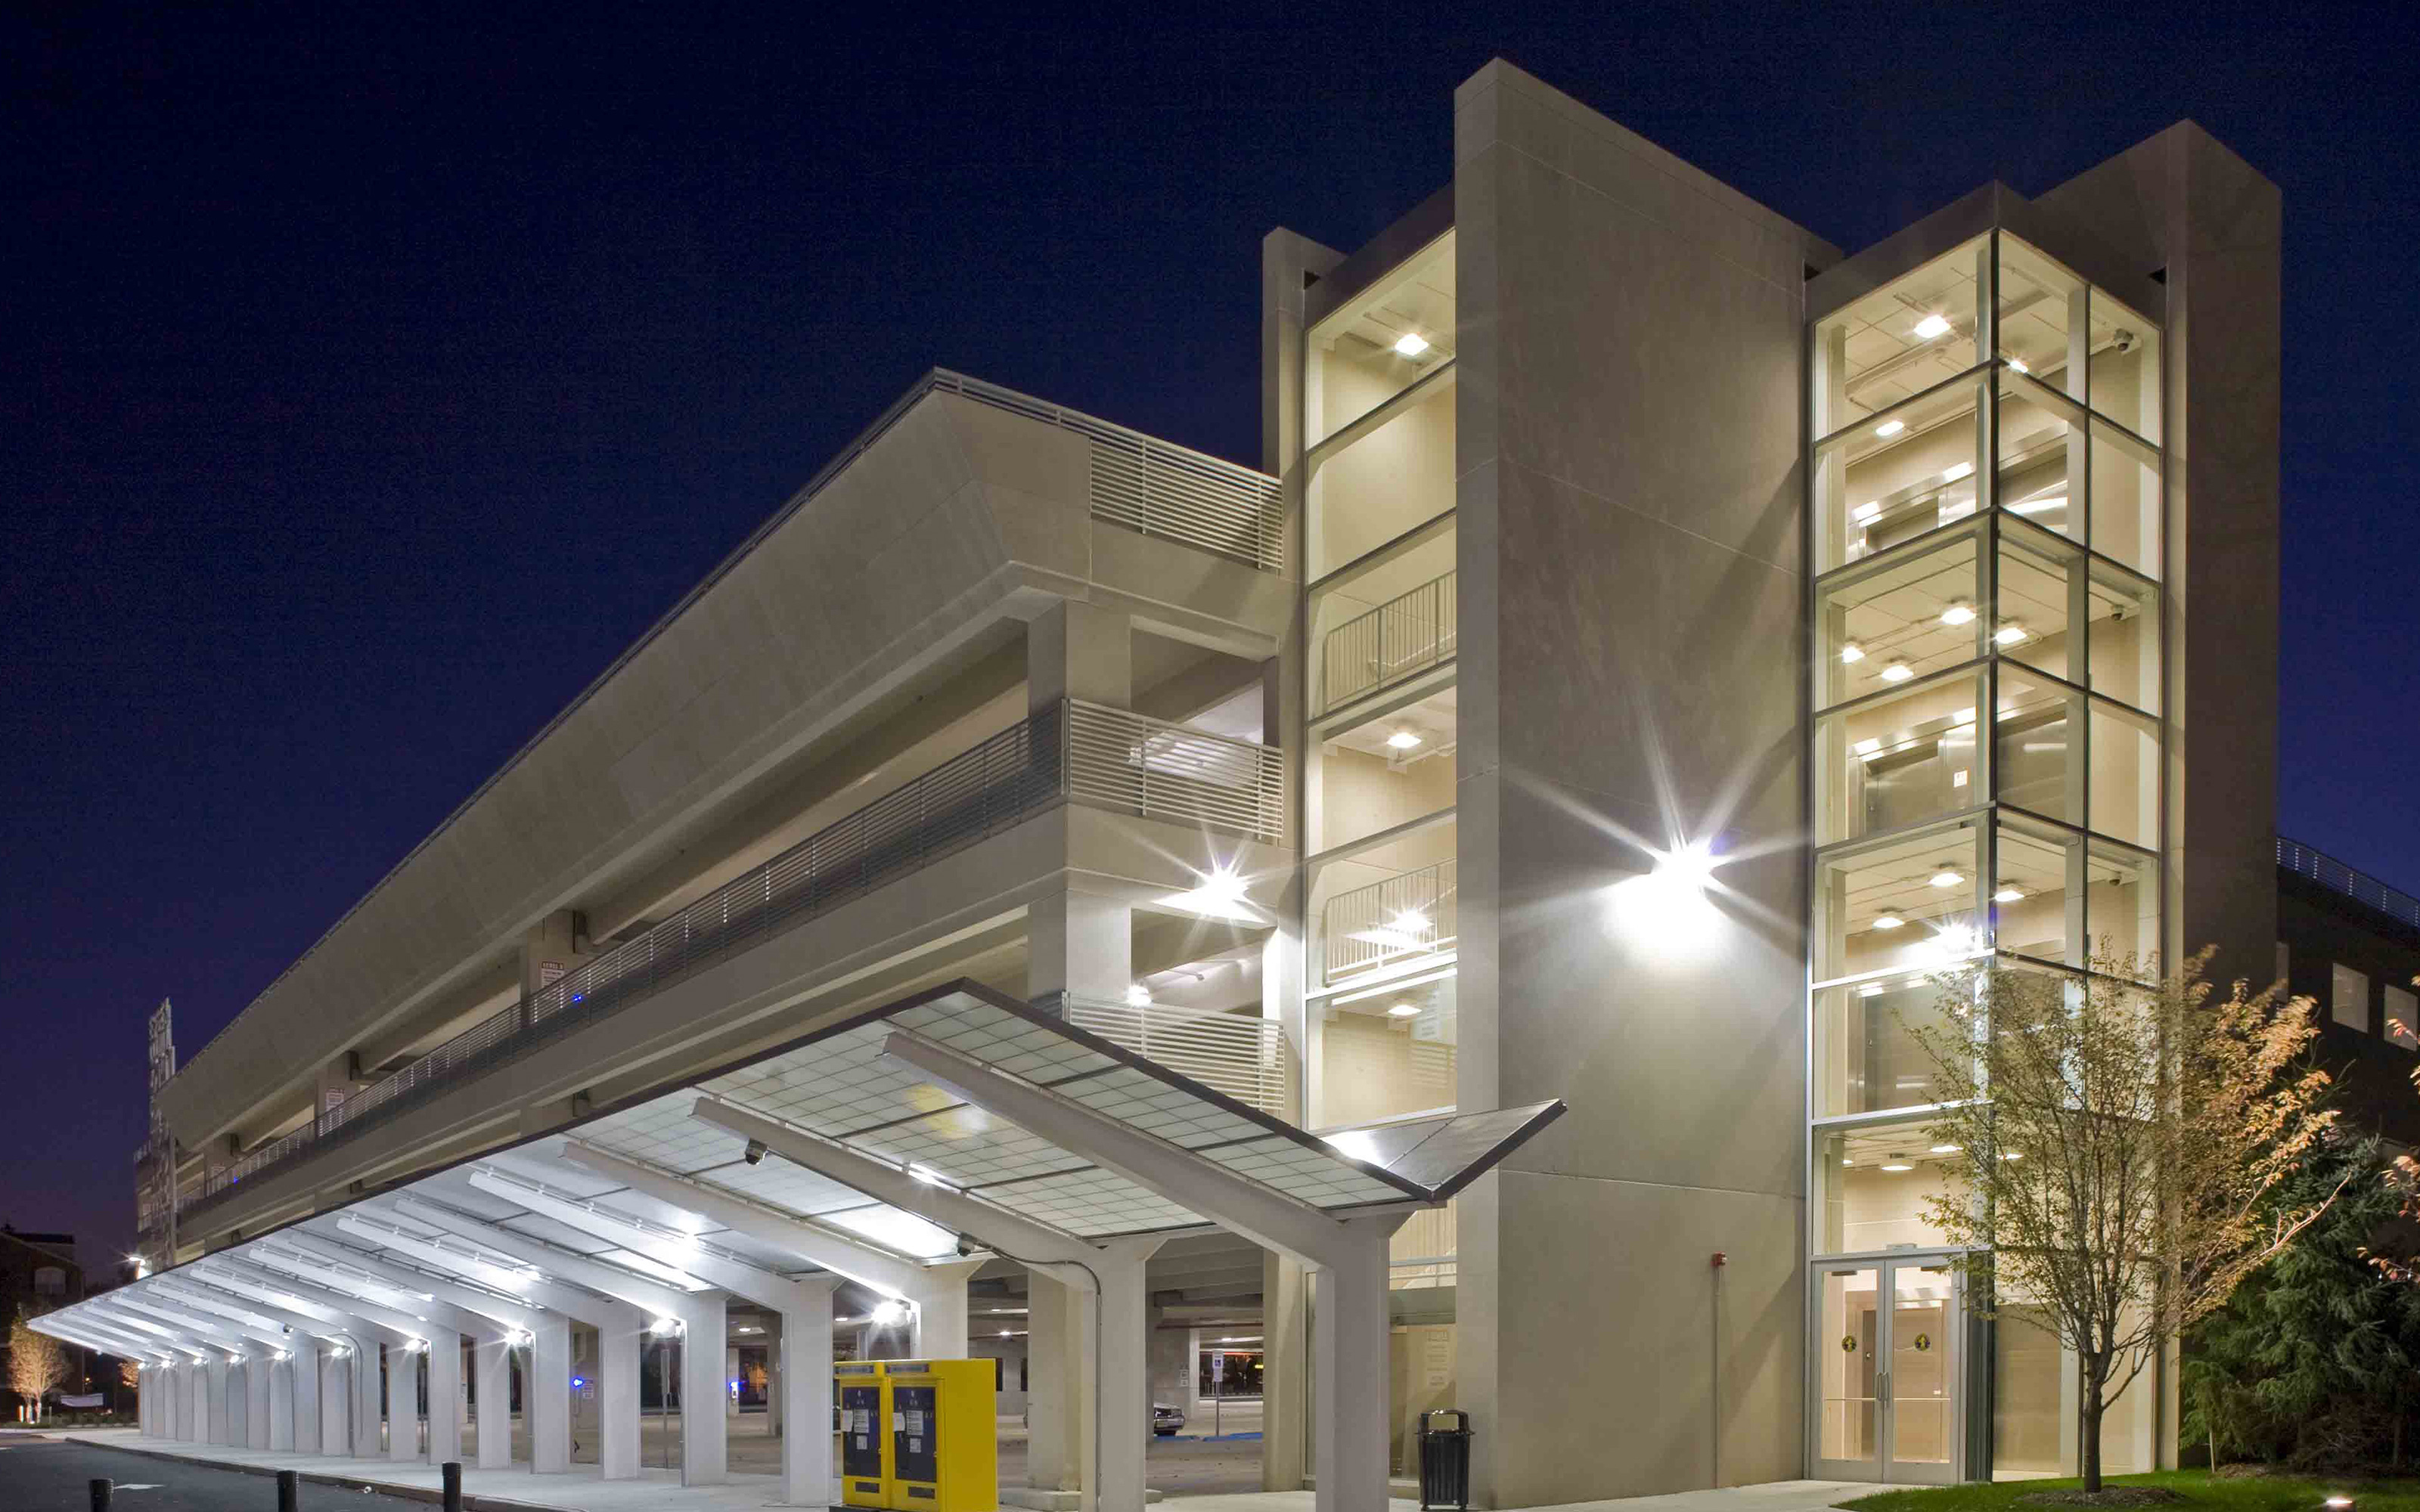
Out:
{"x": 1851, "y": 651}
{"x": 663, "y": 1325}
{"x": 1402, "y": 740}
{"x": 1354, "y": 1144}
{"x": 1888, "y": 922}
{"x": 1137, "y": 995}
{"x": 889, "y": 1313}
{"x": 1219, "y": 895}
{"x": 926, "y": 1175}
{"x": 1411, "y": 343}
{"x": 1865, "y": 511}
{"x": 1897, "y": 671}
{"x": 1688, "y": 866}
{"x": 1931, "y": 326}
{"x": 1890, "y": 427}
{"x": 1947, "y": 1149}
{"x": 1896, "y": 1164}
{"x": 2009, "y": 635}
{"x": 2019, "y": 363}
{"x": 1402, "y": 1010}
{"x": 2009, "y": 895}
{"x": 1948, "y": 877}
{"x": 1958, "y": 612}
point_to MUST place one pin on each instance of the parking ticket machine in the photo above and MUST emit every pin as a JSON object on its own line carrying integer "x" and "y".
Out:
{"x": 918, "y": 1435}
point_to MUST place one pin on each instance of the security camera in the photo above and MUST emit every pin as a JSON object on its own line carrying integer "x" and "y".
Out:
{"x": 754, "y": 1152}
{"x": 2125, "y": 341}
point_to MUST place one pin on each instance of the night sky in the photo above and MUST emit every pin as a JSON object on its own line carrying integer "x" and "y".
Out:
{"x": 371, "y": 379}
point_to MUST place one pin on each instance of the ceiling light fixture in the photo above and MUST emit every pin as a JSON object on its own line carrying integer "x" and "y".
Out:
{"x": 1402, "y": 1010}
{"x": 1888, "y": 922}
{"x": 1897, "y": 1163}
{"x": 2010, "y": 634}
{"x": 2009, "y": 895}
{"x": 1851, "y": 651}
{"x": 1411, "y": 343}
{"x": 1890, "y": 428}
{"x": 1931, "y": 326}
{"x": 1897, "y": 671}
{"x": 1958, "y": 612}
{"x": 1403, "y": 740}
{"x": 1947, "y": 1149}
{"x": 1946, "y": 875}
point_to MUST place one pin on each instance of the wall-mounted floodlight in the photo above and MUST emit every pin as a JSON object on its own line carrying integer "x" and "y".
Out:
{"x": 889, "y": 1313}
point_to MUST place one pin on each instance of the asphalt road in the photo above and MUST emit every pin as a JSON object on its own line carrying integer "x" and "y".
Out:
{"x": 40, "y": 1474}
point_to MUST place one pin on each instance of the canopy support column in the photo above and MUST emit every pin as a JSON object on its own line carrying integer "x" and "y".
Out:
{"x": 445, "y": 1356}
{"x": 492, "y": 1366}
{"x": 280, "y": 1417}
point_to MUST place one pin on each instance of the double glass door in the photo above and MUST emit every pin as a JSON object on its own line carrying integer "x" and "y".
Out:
{"x": 1888, "y": 1338}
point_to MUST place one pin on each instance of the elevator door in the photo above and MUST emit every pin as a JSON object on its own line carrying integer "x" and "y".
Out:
{"x": 1887, "y": 1341}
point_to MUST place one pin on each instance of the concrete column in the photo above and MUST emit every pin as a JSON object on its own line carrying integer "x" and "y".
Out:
{"x": 258, "y": 1396}
{"x": 1349, "y": 1328}
{"x": 363, "y": 1367}
{"x": 803, "y": 1346}
{"x": 551, "y": 950}
{"x": 1285, "y": 1372}
{"x": 444, "y": 1396}
{"x": 280, "y": 1417}
{"x": 336, "y": 1081}
{"x": 402, "y": 1403}
{"x": 729, "y": 1374}
{"x": 618, "y": 1362}
{"x": 546, "y": 1395}
{"x": 1078, "y": 651}
{"x": 198, "y": 1397}
{"x": 214, "y": 1402}
{"x": 1123, "y": 1335}
{"x": 1058, "y": 1387}
{"x": 491, "y": 1361}
{"x": 1079, "y": 944}
{"x": 940, "y": 1322}
{"x": 775, "y": 1330}
{"x": 336, "y": 1411}
{"x": 706, "y": 1435}
{"x": 302, "y": 1387}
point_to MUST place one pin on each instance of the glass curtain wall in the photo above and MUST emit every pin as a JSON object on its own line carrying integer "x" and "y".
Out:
{"x": 1987, "y": 522}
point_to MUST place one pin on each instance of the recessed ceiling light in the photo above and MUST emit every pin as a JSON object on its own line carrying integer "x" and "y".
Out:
{"x": 2009, "y": 895}
{"x": 1411, "y": 343}
{"x": 1402, "y": 1010}
{"x": 2010, "y": 634}
{"x": 1890, "y": 427}
{"x": 1897, "y": 1163}
{"x": 1931, "y": 326}
{"x": 1403, "y": 740}
{"x": 1888, "y": 922}
{"x": 1958, "y": 612}
{"x": 1946, "y": 876}
{"x": 1851, "y": 651}
{"x": 1897, "y": 671}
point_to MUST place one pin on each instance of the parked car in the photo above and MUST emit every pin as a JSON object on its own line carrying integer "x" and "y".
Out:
{"x": 1165, "y": 1421}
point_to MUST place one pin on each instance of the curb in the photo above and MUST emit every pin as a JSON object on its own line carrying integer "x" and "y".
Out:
{"x": 472, "y": 1502}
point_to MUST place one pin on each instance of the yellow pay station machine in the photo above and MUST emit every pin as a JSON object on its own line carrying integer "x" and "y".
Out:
{"x": 918, "y": 1435}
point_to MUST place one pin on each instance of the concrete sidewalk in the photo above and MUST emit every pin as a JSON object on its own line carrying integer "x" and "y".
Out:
{"x": 659, "y": 1490}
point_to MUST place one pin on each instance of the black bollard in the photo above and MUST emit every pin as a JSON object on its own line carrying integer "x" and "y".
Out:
{"x": 452, "y": 1471}
{"x": 101, "y": 1493}
{"x": 289, "y": 1491}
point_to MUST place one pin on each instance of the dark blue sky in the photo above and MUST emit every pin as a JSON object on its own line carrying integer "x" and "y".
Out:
{"x": 370, "y": 379}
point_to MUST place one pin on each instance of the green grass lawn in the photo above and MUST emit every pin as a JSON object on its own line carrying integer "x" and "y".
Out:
{"x": 2201, "y": 1493}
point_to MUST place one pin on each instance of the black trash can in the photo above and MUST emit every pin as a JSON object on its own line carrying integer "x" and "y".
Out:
{"x": 1445, "y": 1460}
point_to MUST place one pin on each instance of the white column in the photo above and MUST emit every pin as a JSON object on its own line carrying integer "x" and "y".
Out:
{"x": 198, "y": 1397}
{"x": 1121, "y": 1335}
{"x": 705, "y": 1436}
{"x": 402, "y": 1403}
{"x": 303, "y": 1385}
{"x": 281, "y": 1403}
{"x": 1058, "y": 1394}
{"x": 546, "y": 1395}
{"x": 940, "y": 1301}
{"x": 618, "y": 1362}
{"x": 1349, "y": 1326}
{"x": 366, "y": 1386}
{"x": 801, "y": 1380}
{"x": 336, "y": 1416}
{"x": 445, "y": 1359}
{"x": 493, "y": 1364}
{"x": 214, "y": 1402}
{"x": 259, "y": 1369}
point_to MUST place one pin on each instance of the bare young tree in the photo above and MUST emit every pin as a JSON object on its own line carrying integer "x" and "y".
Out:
{"x": 2117, "y": 1140}
{"x": 36, "y": 1364}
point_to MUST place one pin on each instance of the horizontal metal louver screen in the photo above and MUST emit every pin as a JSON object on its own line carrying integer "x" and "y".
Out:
{"x": 1150, "y": 766}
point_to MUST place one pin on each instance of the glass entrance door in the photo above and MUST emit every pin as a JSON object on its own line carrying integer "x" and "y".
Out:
{"x": 1887, "y": 1340}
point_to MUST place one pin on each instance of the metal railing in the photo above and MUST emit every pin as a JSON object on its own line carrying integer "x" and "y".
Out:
{"x": 1158, "y": 489}
{"x": 1150, "y": 766}
{"x": 1139, "y": 481}
{"x": 1409, "y": 633}
{"x": 2332, "y": 875}
{"x": 1409, "y": 914}
{"x": 1247, "y": 1059}
{"x": 1072, "y": 750}
{"x": 1000, "y": 782}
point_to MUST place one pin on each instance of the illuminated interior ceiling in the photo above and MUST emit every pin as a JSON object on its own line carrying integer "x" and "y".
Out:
{"x": 1417, "y": 300}
{"x": 1430, "y": 722}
